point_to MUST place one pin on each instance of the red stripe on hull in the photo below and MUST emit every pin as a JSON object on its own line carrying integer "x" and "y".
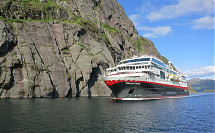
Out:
{"x": 112, "y": 82}
{"x": 149, "y": 98}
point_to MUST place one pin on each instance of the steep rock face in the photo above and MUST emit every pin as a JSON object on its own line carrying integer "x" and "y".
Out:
{"x": 44, "y": 64}
{"x": 66, "y": 55}
{"x": 102, "y": 12}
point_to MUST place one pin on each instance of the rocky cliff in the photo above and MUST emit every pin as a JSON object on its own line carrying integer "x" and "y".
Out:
{"x": 60, "y": 48}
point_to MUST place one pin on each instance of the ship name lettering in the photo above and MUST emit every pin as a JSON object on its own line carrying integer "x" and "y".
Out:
{"x": 128, "y": 83}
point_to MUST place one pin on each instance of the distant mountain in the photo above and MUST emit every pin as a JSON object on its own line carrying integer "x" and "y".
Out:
{"x": 202, "y": 85}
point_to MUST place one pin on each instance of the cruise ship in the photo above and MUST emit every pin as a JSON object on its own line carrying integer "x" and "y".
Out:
{"x": 145, "y": 77}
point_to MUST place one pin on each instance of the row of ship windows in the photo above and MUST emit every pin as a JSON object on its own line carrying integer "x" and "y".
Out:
{"x": 164, "y": 69}
{"x": 148, "y": 59}
{"x": 129, "y": 68}
{"x": 143, "y": 59}
{"x": 133, "y": 67}
{"x": 158, "y": 62}
{"x": 142, "y": 67}
{"x": 135, "y": 60}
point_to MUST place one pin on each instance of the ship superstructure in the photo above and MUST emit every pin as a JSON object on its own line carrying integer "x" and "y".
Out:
{"x": 145, "y": 77}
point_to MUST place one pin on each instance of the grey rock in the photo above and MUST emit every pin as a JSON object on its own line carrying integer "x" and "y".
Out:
{"x": 7, "y": 39}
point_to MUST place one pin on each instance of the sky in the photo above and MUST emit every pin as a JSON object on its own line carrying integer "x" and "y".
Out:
{"x": 181, "y": 30}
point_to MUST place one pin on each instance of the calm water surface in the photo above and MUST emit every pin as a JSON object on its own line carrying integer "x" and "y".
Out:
{"x": 98, "y": 115}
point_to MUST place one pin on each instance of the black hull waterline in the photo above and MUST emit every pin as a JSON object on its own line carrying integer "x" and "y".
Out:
{"x": 145, "y": 90}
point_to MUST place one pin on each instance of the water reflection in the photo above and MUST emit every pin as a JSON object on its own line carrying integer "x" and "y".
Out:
{"x": 103, "y": 115}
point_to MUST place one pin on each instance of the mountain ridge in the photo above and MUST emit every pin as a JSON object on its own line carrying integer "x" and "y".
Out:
{"x": 202, "y": 85}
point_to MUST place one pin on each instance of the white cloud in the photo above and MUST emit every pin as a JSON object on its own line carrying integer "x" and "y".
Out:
{"x": 156, "y": 32}
{"x": 201, "y": 72}
{"x": 182, "y": 8}
{"x": 204, "y": 23}
{"x": 135, "y": 19}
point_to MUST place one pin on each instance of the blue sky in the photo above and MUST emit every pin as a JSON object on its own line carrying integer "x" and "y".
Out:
{"x": 182, "y": 31}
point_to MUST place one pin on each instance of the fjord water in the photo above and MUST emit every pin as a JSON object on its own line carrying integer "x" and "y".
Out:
{"x": 189, "y": 114}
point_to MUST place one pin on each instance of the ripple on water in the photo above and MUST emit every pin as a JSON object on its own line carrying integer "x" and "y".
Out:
{"x": 189, "y": 114}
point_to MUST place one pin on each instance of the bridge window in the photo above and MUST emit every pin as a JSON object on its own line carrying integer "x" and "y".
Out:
{"x": 145, "y": 59}
{"x": 158, "y": 62}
